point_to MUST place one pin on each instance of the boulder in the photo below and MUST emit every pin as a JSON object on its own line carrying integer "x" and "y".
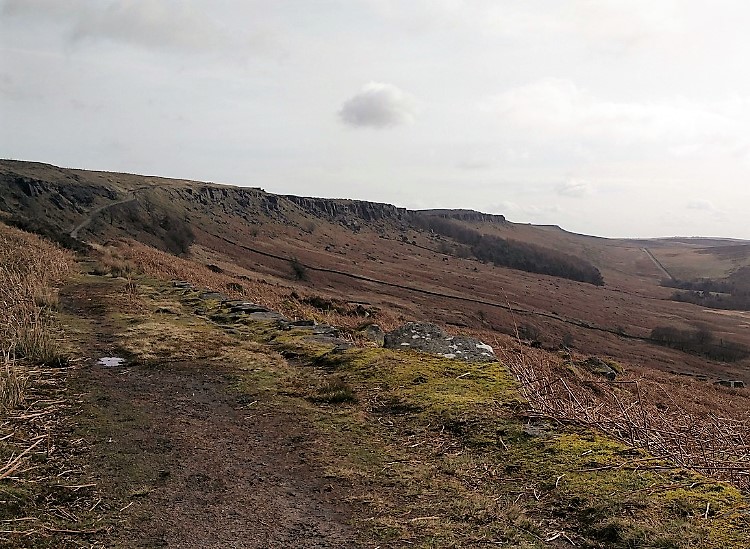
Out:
{"x": 374, "y": 333}
{"x": 426, "y": 337}
{"x": 599, "y": 367}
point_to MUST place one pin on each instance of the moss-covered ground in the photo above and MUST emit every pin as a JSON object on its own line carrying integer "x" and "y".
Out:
{"x": 434, "y": 452}
{"x": 445, "y": 454}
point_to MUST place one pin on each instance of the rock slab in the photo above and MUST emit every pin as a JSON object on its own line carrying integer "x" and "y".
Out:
{"x": 429, "y": 338}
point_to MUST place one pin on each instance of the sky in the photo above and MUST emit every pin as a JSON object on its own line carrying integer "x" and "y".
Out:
{"x": 618, "y": 118}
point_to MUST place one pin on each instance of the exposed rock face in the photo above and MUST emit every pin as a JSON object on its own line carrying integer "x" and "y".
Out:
{"x": 367, "y": 211}
{"x": 465, "y": 215}
{"x": 423, "y": 336}
{"x": 733, "y": 383}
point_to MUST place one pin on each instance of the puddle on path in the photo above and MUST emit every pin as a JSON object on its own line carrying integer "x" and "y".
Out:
{"x": 110, "y": 361}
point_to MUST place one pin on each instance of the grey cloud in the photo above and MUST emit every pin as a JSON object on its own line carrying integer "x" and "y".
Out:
{"x": 573, "y": 188}
{"x": 473, "y": 165}
{"x": 170, "y": 25}
{"x": 378, "y": 105}
{"x": 703, "y": 205}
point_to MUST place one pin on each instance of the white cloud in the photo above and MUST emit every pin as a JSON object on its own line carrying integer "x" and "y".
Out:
{"x": 574, "y": 188}
{"x": 150, "y": 24}
{"x": 703, "y": 205}
{"x": 536, "y": 212}
{"x": 557, "y": 109}
{"x": 379, "y": 105}
{"x": 606, "y": 25}
{"x": 623, "y": 22}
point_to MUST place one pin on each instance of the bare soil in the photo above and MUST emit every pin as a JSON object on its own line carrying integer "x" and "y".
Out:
{"x": 189, "y": 462}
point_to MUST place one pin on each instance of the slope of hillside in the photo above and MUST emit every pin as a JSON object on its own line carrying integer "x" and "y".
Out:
{"x": 587, "y": 432}
{"x": 223, "y": 427}
{"x": 355, "y": 245}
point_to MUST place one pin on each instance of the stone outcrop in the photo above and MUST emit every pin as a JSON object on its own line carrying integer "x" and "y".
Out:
{"x": 423, "y": 336}
{"x": 465, "y": 215}
{"x": 599, "y": 367}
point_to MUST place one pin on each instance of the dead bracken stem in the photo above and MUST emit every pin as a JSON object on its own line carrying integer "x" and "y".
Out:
{"x": 716, "y": 446}
{"x": 31, "y": 271}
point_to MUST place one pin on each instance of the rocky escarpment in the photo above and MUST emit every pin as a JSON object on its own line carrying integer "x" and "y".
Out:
{"x": 464, "y": 215}
{"x": 66, "y": 198}
{"x": 55, "y": 199}
{"x": 348, "y": 211}
{"x": 249, "y": 203}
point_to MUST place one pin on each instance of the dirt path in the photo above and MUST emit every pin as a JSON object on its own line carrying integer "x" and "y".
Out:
{"x": 129, "y": 197}
{"x": 193, "y": 463}
{"x": 658, "y": 264}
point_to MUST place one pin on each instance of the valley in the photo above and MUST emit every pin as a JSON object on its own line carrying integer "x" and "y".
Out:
{"x": 589, "y": 430}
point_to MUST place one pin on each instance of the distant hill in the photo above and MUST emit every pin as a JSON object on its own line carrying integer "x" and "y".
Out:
{"x": 458, "y": 267}
{"x": 166, "y": 213}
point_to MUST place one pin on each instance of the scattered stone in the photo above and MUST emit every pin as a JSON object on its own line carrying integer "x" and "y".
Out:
{"x": 423, "y": 336}
{"x": 598, "y": 367}
{"x": 212, "y": 296}
{"x": 165, "y": 311}
{"x": 245, "y": 307}
{"x": 374, "y": 333}
{"x": 733, "y": 383}
{"x": 540, "y": 429}
{"x": 301, "y": 323}
{"x": 325, "y": 329}
{"x": 322, "y": 339}
{"x": 269, "y": 316}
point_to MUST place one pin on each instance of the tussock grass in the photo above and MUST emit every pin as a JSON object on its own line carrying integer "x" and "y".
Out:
{"x": 335, "y": 391}
{"x": 12, "y": 386}
{"x": 110, "y": 261}
{"x": 30, "y": 270}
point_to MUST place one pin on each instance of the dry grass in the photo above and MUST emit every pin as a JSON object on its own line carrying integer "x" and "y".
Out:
{"x": 30, "y": 271}
{"x": 645, "y": 409}
{"x": 682, "y": 421}
{"x": 12, "y": 386}
{"x": 292, "y": 300}
{"x": 34, "y": 462}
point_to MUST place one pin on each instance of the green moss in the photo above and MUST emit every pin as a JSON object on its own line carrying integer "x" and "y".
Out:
{"x": 437, "y": 437}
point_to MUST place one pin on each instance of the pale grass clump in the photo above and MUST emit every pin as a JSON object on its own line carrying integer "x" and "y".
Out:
{"x": 110, "y": 261}
{"x": 12, "y": 385}
{"x": 30, "y": 271}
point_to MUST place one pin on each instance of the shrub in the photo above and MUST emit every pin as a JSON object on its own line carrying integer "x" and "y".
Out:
{"x": 529, "y": 332}
{"x": 235, "y": 287}
{"x": 509, "y": 253}
{"x": 700, "y": 341}
{"x": 298, "y": 269}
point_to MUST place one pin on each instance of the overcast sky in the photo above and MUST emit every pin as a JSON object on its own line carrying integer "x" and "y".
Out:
{"x": 607, "y": 117}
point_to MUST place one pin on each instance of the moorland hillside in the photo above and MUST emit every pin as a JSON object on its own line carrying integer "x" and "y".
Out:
{"x": 209, "y": 365}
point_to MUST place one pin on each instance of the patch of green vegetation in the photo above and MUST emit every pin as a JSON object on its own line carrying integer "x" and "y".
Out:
{"x": 570, "y": 480}
{"x": 442, "y": 453}
{"x": 334, "y": 391}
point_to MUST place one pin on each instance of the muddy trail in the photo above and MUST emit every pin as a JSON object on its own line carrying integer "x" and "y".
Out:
{"x": 183, "y": 460}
